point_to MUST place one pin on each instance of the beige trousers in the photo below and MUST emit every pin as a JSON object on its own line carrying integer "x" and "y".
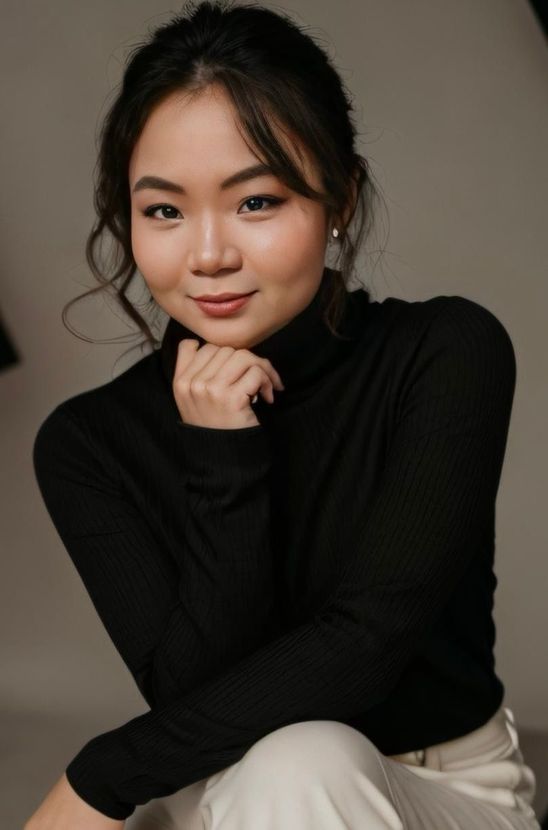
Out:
{"x": 325, "y": 775}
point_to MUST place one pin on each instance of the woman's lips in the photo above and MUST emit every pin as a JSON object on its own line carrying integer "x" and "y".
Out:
{"x": 222, "y": 309}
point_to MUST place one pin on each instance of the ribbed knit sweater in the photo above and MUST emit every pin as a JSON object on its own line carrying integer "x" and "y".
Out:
{"x": 333, "y": 562}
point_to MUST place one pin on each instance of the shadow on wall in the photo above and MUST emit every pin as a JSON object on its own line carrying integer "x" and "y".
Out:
{"x": 541, "y": 11}
{"x": 8, "y": 355}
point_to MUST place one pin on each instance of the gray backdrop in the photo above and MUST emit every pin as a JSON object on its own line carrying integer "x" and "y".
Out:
{"x": 451, "y": 103}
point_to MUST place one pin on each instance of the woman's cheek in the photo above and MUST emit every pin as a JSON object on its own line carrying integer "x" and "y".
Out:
{"x": 275, "y": 235}
{"x": 303, "y": 243}
{"x": 156, "y": 260}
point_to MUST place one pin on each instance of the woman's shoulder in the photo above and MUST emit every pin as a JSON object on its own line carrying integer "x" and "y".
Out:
{"x": 443, "y": 306}
{"x": 457, "y": 347}
{"x": 440, "y": 340}
{"x": 442, "y": 319}
{"x": 100, "y": 408}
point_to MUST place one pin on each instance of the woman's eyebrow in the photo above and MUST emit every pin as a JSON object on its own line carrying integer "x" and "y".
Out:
{"x": 157, "y": 183}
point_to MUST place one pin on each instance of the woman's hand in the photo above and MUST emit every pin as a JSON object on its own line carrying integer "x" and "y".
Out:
{"x": 63, "y": 809}
{"x": 214, "y": 386}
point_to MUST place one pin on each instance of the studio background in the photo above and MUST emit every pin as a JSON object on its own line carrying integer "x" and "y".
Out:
{"x": 450, "y": 102}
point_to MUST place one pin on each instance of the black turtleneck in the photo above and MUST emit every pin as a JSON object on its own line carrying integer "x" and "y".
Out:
{"x": 333, "y": 562}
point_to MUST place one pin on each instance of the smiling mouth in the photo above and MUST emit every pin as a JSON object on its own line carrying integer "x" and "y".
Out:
{"x": 221, "y": 298}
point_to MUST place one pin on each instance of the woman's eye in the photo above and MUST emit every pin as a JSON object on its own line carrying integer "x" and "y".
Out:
{"x": 150, "y": 211}
{"x": 271, "y": 201}
{"x": 253, "y": 200}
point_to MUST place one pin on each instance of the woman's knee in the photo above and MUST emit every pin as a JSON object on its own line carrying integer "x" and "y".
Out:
{"x": 317, "y": 768}
{"x": 314, "y": 749}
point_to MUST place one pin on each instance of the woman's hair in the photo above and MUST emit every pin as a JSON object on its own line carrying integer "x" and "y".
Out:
{"x": 275, "y": 74}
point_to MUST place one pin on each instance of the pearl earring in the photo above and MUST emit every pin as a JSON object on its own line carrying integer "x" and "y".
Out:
{"x": 335, "y": 232}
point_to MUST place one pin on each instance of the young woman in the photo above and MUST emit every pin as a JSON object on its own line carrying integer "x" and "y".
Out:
{"x": 284, "y": 515}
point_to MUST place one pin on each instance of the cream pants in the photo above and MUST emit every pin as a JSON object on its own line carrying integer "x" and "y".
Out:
{"x": 325, "y": 775}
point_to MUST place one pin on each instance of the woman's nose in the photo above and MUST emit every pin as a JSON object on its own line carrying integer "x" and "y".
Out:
{"x": 210, "y": 249}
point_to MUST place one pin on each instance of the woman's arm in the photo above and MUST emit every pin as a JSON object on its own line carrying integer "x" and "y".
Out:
{"x": 216, "y": 600}
{"x": 408, "y": 552}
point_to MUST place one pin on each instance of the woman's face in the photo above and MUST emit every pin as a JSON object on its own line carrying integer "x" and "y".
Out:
{"x": 212, "y": 239}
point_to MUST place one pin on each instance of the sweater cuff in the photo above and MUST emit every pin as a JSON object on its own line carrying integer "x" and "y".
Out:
{"x": 83, "y": 775}
{"x": 208, "y": 450}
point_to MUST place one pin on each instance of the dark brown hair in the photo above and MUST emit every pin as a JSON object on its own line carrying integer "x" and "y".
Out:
{"x": 275, "y": 73}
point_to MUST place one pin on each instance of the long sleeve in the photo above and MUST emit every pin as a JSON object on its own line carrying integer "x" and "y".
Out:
{"x": 216, "y": 598}
{"x": 400, "y": 561}
{"x": 227, "y": 573}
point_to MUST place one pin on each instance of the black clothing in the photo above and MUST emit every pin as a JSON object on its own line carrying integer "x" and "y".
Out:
{"x": 334, "y": 562}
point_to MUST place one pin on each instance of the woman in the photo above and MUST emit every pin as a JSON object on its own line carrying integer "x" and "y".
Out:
{"x": 284, "y": 516}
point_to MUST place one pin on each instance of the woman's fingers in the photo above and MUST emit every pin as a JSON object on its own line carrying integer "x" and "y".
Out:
{"x": 222, "y": 363}
{"x": 255, "y": 380}
{"x": 215, "y": 385}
